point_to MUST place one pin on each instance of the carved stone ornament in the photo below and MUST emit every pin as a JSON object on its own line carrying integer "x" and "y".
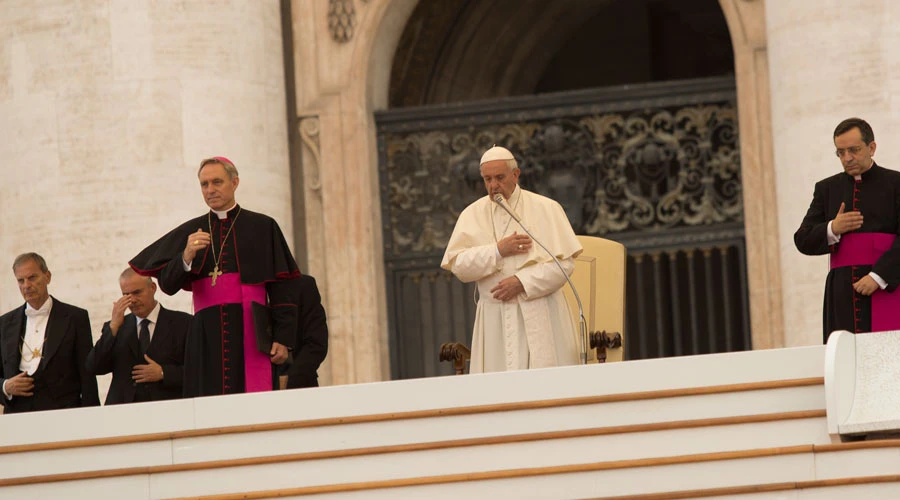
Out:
{"x": 341, "y": 20}
{"x": 309, "y": 134}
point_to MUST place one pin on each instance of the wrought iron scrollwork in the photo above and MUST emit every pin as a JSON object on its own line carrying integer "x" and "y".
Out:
{"x": 643, "y": 170}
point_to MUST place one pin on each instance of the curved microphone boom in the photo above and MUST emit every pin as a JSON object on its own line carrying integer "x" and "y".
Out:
{"x": 498, "y": 199}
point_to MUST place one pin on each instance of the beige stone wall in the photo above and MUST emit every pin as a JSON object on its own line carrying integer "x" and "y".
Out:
{"x": 826, "y": 64}
{"x": 107, "y": 108}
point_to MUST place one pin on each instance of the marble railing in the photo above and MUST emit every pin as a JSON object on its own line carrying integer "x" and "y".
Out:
{"x": 861, "y": 384}
{"x": 704, "y": 426}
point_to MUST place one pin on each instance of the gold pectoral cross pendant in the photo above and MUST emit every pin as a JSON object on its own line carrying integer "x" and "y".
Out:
{"x": 36, "y": 352}
{"x": 215, "y": 274}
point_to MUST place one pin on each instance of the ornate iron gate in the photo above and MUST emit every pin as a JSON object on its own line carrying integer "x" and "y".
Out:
{"x": 654, "y": 166}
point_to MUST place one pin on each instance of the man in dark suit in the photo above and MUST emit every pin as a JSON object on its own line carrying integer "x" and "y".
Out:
{"x": 145, "y": 349}
{"x": 43, "y": 347}
{"x": 312, "y": 337}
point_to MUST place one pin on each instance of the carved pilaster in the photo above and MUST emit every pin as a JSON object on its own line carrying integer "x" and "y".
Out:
{"x": 309, "y": 134}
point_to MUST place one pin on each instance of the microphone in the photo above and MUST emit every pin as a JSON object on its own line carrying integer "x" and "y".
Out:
{"x": 500, "y": 200}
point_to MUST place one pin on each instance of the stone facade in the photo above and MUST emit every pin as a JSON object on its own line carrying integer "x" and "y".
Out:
{"x": 107, "y": 106}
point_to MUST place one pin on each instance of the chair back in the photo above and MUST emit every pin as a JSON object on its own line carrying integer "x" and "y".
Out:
{"x": 599, "y": 277}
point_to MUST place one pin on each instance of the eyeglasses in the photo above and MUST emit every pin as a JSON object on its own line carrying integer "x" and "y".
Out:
{"x": 853, "y": 150}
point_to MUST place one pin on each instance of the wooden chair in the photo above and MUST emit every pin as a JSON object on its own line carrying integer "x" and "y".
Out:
{"x": 599, "y": 278}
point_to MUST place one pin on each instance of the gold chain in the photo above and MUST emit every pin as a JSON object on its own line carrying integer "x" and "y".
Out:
{"x": 35, "y": 352}
{"x": 212, "y": 244}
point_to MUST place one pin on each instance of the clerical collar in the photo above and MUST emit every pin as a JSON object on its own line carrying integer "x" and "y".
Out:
{"x": 514, "y": 197}
{"x": 44, "y": 309}
{"x": 225, "y": 214}
{"x": 154, "y": 314}
{"x": 860, "y": 176}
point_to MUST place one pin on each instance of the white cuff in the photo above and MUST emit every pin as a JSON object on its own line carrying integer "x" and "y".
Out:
{"x": 4, "y": 390}
{"x": 881, "y": 282}
{"x": 832, "y": 238}
{"x": 497, "y": 252}
{"x": 187, "y": 267}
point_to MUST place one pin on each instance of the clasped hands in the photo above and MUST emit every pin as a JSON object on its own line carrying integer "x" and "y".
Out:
{"x": 278, "y": 354}
{"x": 844, "y": 222}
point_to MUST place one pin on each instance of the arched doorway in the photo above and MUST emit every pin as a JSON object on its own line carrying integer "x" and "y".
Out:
{"x": 634, "y": 132}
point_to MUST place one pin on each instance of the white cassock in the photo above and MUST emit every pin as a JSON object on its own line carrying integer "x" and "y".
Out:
{"x": 535, "y": 329}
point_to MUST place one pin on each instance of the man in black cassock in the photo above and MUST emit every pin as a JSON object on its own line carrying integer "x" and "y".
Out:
{"x": 311, "y": 345}
{"x": 855, "y": 218}
{"x": 229, "y": 258}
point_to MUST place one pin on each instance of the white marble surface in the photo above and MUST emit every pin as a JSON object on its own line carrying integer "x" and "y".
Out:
{"x": 715, "y": 474}
{"x": 82, "y": 459}
{"x": 446, "y": 392}
{"x": 858, "y": 463}
{"x": 135, "y": 487}
{"x": 573, "y": 381}
{"x": 96, "y": 422}
{"x": 800, "y": 431}
{"x": 411, "y": 395}
{"x": 861, "y": 382}
{"x": 840, "y": 379}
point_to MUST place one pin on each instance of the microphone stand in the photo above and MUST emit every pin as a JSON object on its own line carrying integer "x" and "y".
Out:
{"x": 498, "y": 199}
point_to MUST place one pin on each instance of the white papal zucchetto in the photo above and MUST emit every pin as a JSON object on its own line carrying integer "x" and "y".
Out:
{"x": 496, "y": 153}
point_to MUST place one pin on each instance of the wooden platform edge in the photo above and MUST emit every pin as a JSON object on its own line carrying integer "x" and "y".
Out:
{"x": 426, "y": 446}
{"x": 568, "y": 469}
{"x": 418, "y": 414}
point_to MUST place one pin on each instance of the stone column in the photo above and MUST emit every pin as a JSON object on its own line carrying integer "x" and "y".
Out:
{"x": 343, "y": 50}
{"x": 746, "y": 23}
{"x": 107, "y": 108}
{"x": 826, "y": 64}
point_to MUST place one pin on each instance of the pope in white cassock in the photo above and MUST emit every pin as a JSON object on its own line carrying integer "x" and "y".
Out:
{"x": 522, "y": 319}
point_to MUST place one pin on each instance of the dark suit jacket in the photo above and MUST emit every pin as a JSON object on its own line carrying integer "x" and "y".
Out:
{"x": 119, "y": 354}
{"x": 312, "y": 337}
{"x": 61, "y": 380}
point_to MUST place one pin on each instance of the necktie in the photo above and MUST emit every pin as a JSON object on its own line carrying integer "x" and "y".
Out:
{"x": 144, "y": 335}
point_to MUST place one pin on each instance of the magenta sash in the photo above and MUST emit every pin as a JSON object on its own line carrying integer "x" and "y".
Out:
{"x": 230, "y": 290}
{"x": 864, "y": 249}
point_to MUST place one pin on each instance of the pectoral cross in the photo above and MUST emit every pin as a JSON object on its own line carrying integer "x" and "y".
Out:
{"x": 36, "y": 352}
{"x": 215, "y": 274}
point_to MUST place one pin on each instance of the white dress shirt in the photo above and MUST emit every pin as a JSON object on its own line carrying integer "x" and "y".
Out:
{"x": 35, "y": 333}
